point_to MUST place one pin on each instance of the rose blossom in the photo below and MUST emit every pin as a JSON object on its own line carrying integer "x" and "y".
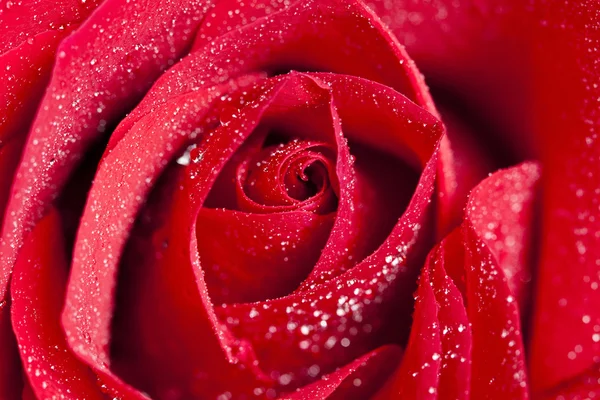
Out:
{"x": 229, "y": 200}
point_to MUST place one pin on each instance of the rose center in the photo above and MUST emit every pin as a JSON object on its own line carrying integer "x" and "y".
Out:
{"x": 297, "y": 173}
{"x": 308, "y": 179}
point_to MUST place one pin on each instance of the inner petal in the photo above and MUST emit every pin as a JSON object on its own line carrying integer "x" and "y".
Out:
{"x": 295, "y": 173}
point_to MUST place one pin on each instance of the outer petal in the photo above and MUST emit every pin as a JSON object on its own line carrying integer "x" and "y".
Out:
{"x": 30, "y": 32}
{"x": 309, "y": 36}
{"x": 497, "y": 207}
{"x": 99, "y": 74}
{"x": 482, "y": 356}
{"x": 437, "y": 362}
{"x": 37, "y": 291}
{"x": 476, "y": 50}
{"x": 567, "y": 304}
{"x": 419, "y": 375}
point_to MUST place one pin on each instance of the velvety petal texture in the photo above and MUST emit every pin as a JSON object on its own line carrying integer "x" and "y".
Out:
{"x": 567, "y": 317}
{"x": 37, "y": 289}
{"x": 222, "y": 199}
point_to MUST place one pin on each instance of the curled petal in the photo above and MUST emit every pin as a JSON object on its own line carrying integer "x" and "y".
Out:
{"x": 501, "y": 204}
{"x": 87, "y": 94}
{"x": 418, "y": 377}
{"x": 30, "y": 34}
{"x": 232, "y": 349}
{"x": 249, "y": 257}
{"x": 437, "y": 362}
{"x": 390, "y": 121}
{"x": 300, "y": 28}
{"x": 501, "y": 210}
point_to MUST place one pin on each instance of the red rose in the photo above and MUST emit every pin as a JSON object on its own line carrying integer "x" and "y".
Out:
{"x": 233, "y": 201}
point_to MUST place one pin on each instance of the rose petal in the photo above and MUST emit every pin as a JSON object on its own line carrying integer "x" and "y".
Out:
{"x": 26, "y": 58}
{"x": 38, "y": 284}
{"x": 407, "y": 131}
{"x": 216, "y": 24}
{"x": 87, "y": 94}
{"x": 300, "y": 28}
{"x": 437, "y": 363}
{"x": 477, "y": 54}
{"x": 418, "y": 376}
{"x": 344, "y": 317}
{"x": 496, "y": 210}
{"x": 584, "y": 386}
{"x": 26, "y": 19}
{"x": 25, "y": 71}
{"x": 29, "y": 36}
{"x": 357, "y": 380}
{"x": 502, "y": 212}
{"x": 476, "y": 50}
{"x": 567, "y": 311}
{"x": 455, "y": 327}
{"x": 251, "y": 257}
